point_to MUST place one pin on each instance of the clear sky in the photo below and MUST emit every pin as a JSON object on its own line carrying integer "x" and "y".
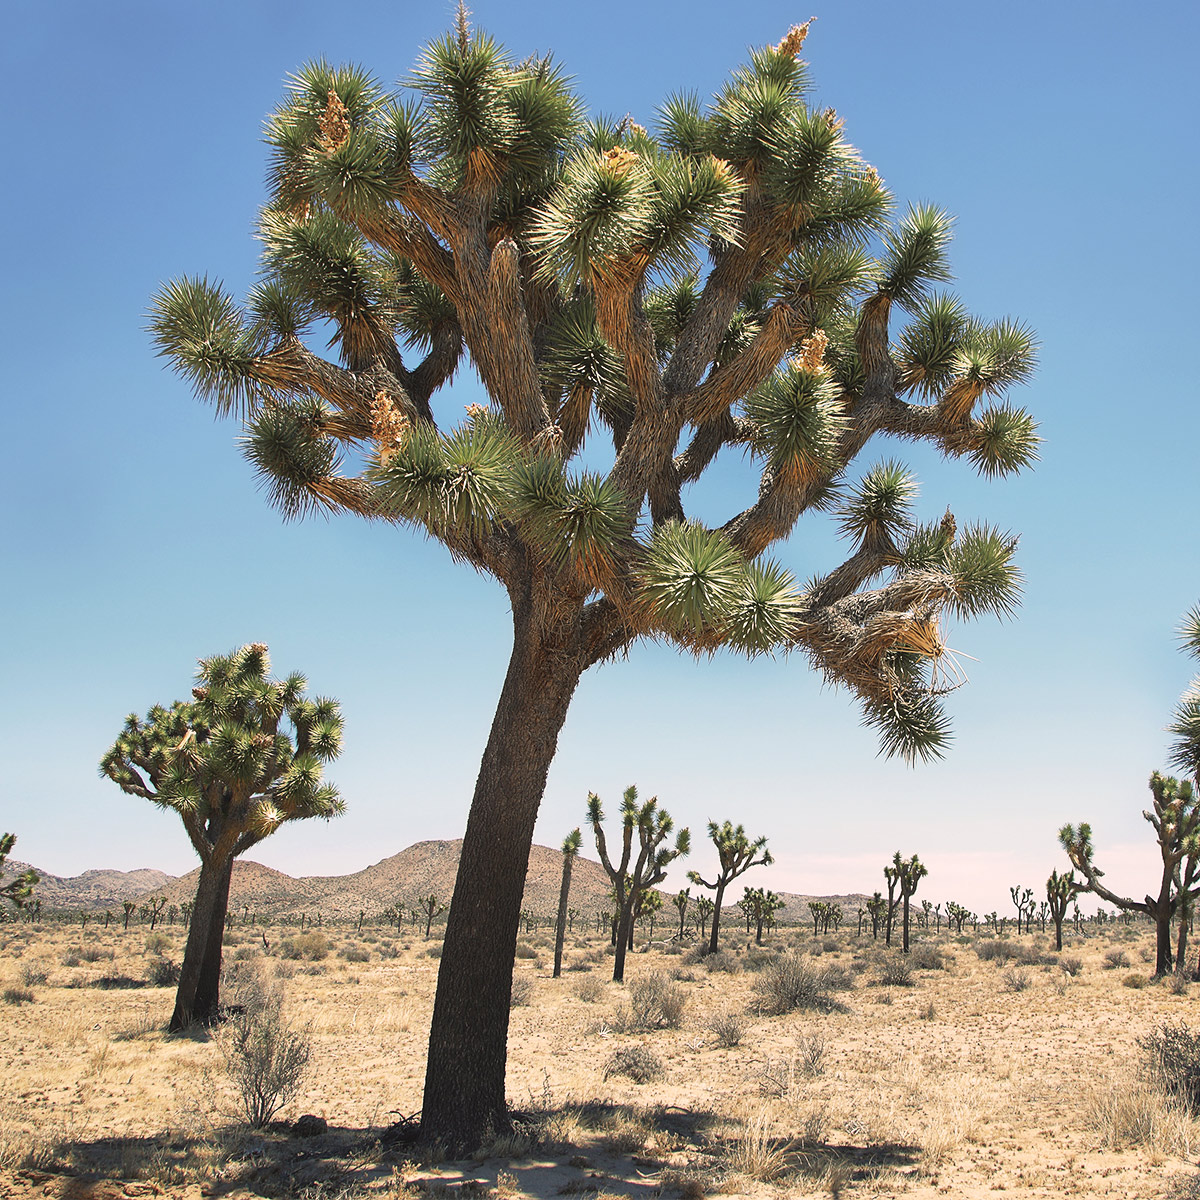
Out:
{"x": 1062, "y": 136}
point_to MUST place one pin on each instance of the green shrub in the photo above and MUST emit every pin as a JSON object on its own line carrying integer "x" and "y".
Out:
{"x": 655, "y": 1002}
{"x": 312, "y": 946}
{"x": 893, "y": 970}
{"x": 926, "y": 957}
{"x": 162, "y": 972}
{"x": 17, "y": 995}
{"x": 1173, "y": 1060}
{"x": 791, "y": 983}
{"x": 638, "y": 1063}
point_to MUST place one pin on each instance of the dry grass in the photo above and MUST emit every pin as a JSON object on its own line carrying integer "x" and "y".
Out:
{"x": 956, "y": 1088}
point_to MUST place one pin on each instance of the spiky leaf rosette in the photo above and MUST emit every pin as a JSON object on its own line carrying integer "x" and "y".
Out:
{"x": 1185, "y": 721}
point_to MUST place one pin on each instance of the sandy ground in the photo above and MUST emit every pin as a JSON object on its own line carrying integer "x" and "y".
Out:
{"x": 981, "y": 1077}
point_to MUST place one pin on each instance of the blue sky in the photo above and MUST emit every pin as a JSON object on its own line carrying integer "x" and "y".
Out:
{"x": 1062, "y": 138}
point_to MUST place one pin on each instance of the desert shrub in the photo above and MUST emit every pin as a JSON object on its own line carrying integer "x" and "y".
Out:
{"x": 1146, "y": 954}
{"x": 792, "y": 983}
{"x": 116, "y": 982}
{"x": 1176, "y": 983}
{"x": 838, "y": 978}
{"x": 996, "y": 950}
{"x": 1030, "y": 954}
{"x": 926, "y": 957}
{"x": 1114, "y": 959}
{"x": 1016, "y": 979}
{"x": 522, "y": 991}
{"x": 884, "y": 997}
{"x": 655, "y": 1002}
{"x": 95, "y": 954}
{"x": 683, "y": 974}
{"x": 893, "y": 970}
{"x": 158, "y": 943}
{"x": 810, "y": 1054}
{"x": 728, "y": 1026}
{"x": 32, "y": 976}
{"x": 1173, "y": 1061}
{"x": 525, "y": 950}
{"x": 1126, "y": 1113}
{"x": 17, "y": 995}
{"x": 722, "y": 961}
{"x": 590, "y": 990}
{"x": 434, "y": 952}
{"x": 757, "y": 959}
{"x": 312, "y": 946}
{"x": 927, "y": 1012}
{"x": 638, "y": 1063}
{"x": 830, "y": 946}
{"x": 355, "y": 954}
{"x": 70, "y": 958}
{"x": 265, "y": 1056}
{"x": 162, "y": 972}
{"x": 1071, "y": 964}
{"x": 1137, "y": 982}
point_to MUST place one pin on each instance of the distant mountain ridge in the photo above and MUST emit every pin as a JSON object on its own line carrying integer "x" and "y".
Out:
{"x": 423, "y": 869}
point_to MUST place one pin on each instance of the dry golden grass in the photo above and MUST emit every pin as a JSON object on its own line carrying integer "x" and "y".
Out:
{"x": 960, "y": 1086}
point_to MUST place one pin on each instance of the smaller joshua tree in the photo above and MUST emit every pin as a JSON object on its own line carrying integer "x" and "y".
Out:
{"x": 761, "y": 905}
{"x": 680, "y": 900}
{"x": 704, "y": 911}
{"x": 736, "y": 854}
{"x": 1175, "y": 819}
{"x": 429, "y": 907}
{"x": 237, "y": 761}
{"x": 632, "y": 876}
{"x": 1061, "y": 891}
{"x": 877, "y": 908}
{"x": 570, "y": 848}
{"x": 16, "y": 891}
{"x": 909, "y": 873}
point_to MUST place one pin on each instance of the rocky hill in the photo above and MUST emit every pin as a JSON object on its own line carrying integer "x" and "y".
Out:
{"x": 93, "y": 889}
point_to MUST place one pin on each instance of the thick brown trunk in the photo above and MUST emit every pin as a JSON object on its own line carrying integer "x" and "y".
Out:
{"x": 208, "y": 991}
{"x": 468, "y": 1039}
{"x": 905, "y": 941}
{"x": 560, "y": 928}
{"x": 624, "y": 939}
{"x": 207, "y": 890}
{"x": 716, "y": 917}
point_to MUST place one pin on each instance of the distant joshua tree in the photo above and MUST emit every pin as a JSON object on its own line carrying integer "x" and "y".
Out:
{"x": 236, "y": 762}
{"x": 762, "y": 905}
{"x": 570, "y": 848}
{"x": 429, "y": 908}
{"x": 736, "y": 854}
{"x": 1061, "y": 891}
{"x": 704, "y": 911}
{"x": 909, "y": 873}
{"x": 680, "y": 900}
{"x": 633, "y": 875}
{"x": 877, "y": 908}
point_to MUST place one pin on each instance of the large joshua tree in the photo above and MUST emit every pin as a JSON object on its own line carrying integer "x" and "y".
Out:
{"x": 735, "y": 283}
{"x": 908, "y": 872}
{"x": 237, "y": 761}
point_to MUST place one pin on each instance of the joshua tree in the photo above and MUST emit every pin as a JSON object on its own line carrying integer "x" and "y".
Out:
{"x": 909, "y": 873}
{"x": 877, "y": 907}
{"x": 1025, "y": 905}
{"x": 735, "y": 856}
{"x": 570, "y": 848}
{"x": 1185, "y": 722}
{"x": 632, "y": 876}
{"x": 1175, "y": 819}
{"x": 726, "y": 285}
{"x": 649, "y": 905}
{"x": 680, "y": 900}
{"x": 429, "y": 907}
{"x": 704, "y": 910}
{"x": 892, "y": 878}
{"x": 153, "y": 908}
{"x": 957, "y": 915}
{"x": 761, "y": 905}
{"x": 1061, "y": 890}
{"x": 16, "y": 891}
{"x": 815, "y": 909}
{"x": 239, "y": 759}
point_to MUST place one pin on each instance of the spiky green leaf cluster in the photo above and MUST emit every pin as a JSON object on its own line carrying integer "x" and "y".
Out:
{"x": 877, "y": 511}
{"x": 798, "y": 419}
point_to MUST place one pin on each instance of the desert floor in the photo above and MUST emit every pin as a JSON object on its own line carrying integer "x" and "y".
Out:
{"x": 982, "y": 1075}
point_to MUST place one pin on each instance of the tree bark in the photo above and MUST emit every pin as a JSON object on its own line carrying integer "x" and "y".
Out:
{"x": 208, "y": 990}
{"x": 904, "y": 945}
{"x": 207, "y": 895}
{"x": 624, "y": 938}
{"x": 468, "y": 1039}
{"x": 560, "y": 929}
{"x": 716, "y": 916}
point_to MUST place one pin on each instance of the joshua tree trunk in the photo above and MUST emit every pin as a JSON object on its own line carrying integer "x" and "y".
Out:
{"x": 716, "y": 917}
{"x": 904, "y": 945}
{"x": 560, "y": 928}
{"x": 209, "y": 898}
{"x": 208, "y": 990}
{"x": 624, "y": 938}
{"x": 464, "y": 1075}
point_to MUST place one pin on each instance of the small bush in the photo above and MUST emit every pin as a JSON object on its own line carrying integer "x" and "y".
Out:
{"x": 1114, "y": 959}
{"x": 655, "y": 1002}
{"x": 117, "y": 983}
{"x": 522, "y": 991}
{"x": 728, "y": 1026}
{"x": 1137, "y": 982}
{"x": 355, "y": 954}
{"x": 525, "y": 950}
{"x": 791, "y": 983}
{"x": 162, "y": 972}
{"x": 1173, "y": 1059}
{"x": 434, "y": 952}
{"x": 157, "y": 943}
{"x": 1071, "y": 964}
{"x": 1017, "y": 979}
{"x": 312, "y": 946}
{"x": 722, "y": 961}
{"x": 590, "y": 990}
{"x": 265, "y": 1056}
{"x": 928, "y": 1012}
{"x": 893, "y": 970}
{"x": 17, "y": 995}
{"x": 95, "y": 954}
{"x": 1176, "y": 983}
{"x": 810, "y": 1054}
{"x": 925, "y": 957}
{"x": 638, "y": 1063}
{"x": 995, "y": 949}
{"x": 32, "y": 976}
{"x": 830, "y": 946}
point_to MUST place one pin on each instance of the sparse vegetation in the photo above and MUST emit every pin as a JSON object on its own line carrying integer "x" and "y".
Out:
{"x": 638, "y": 1063}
